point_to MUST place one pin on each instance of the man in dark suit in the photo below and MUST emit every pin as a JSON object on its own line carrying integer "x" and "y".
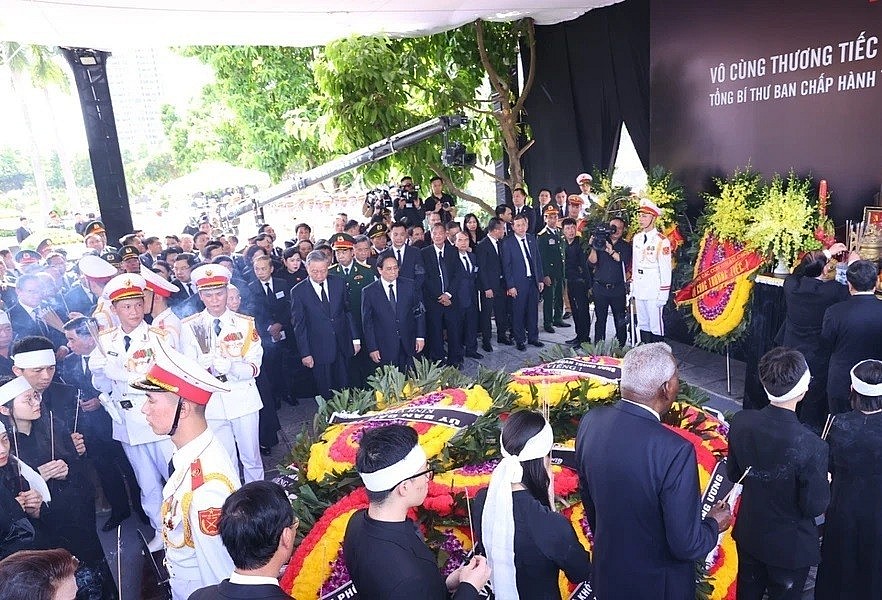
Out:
{"x": 851, "y": 332}
{"x": 519, "y": 206}
{"x": 27, "y": 317}
{"x": 410, "y": 261}
{"x": 105, "y": 454}
{"x": 257, "y": 529}
{"x": 23, "y": 230}
{"x": 465, "y": 299}
{"x": 639, "y": 486}
{"x": 522, "y": 270}
{"x": 786, "y": 488}
{"x": 491, "y": 286}
{"x": 323, "y": 325}
{"x": 393, "y": 317}
{"x": 442, "y": 278}
{"x": 186, "y": 301}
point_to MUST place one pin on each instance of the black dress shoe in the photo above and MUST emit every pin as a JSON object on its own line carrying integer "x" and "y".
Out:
{"x": 561, "y": 324}
{"x": 114, "y": 521}
{"x": 537, "y": 344}
{"x": 548, "y": 329}
{"x": 522, "y": 347}
{"x": 575, "y": 341}
{"x": 475, "y": 355}
{"x": 567, "y": 315}
{"x": 486, "y": 347}
{"x": 505, "y": 341}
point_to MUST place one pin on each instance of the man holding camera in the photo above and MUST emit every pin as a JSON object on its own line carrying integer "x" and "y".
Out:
{"x": 439, "y": 202}
{"x": 651, "y": 275}
{"x": 610, "y": 255}
{"x": 408, "y": 205}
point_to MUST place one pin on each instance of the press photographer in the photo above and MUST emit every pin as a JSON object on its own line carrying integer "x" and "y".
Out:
{"x": 408, "y": 204}
{"x": 376, "y": 200}
{"x": 610, "y": 255}
{"x": 439, "y": 202}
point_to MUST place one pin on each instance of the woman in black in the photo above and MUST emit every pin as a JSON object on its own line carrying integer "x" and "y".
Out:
{"x": 47, "y": 443}
{"x": 20, "y": 503}
{"x": 851, "y": 556}
{"x": 473, "y": 229}
{"x": 525, "y": 563}
{"x": 808, "y": 292}
{"x": 295, "y": 271}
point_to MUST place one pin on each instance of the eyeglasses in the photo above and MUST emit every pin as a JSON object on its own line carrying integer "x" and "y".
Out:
{"x": 430, "y": 473}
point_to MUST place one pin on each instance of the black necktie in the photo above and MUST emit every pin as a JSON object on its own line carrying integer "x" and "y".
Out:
{"x": 645, "y": 238}
{"x": 441, "y": 268}
{"x": 398, "y": 252}
{"x": 269, "y": 292}
{"x": 171, "y": 467}
{"x": 392, "y": 300}
{"x": 529, "y": 258}
{"x": 85, "y": 365}
{"x": 127, "y": 341}
{"x": 217, "y": 327}
{"x": 465, "y": 262}
{"x": 325, "y": 303}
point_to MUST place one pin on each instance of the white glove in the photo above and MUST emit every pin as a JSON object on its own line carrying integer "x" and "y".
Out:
{"x": 110, "y": 407}
{"x": 241, "y": 371}
{"x": 221, "y": 365}
{"x": 205, "y": 360}
{"x": 97, "y": 362}
{"x": 661, "y": 300}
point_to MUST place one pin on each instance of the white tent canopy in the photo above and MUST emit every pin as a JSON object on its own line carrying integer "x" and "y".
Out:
{"x": 212, "y": 175}
{"x": 110, "y": 24}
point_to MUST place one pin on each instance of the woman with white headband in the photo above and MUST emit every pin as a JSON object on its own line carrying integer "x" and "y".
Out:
{"x": 22, "y": 494}
{"x": 526, "y": 542}
{"x": 47, "y": 443}
{"x": 851, "y": 557}
{"x": 786, "y": 487}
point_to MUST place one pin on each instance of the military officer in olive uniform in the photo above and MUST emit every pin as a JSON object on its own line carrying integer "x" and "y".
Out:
{"x": 378, "y": 233}
{"x": 551, "y": 253}
{"x": 203, "y": 476}
{"x": 228, "y": 344}
{"x": 123, "y": 354}
{"x": 357, "y": 277}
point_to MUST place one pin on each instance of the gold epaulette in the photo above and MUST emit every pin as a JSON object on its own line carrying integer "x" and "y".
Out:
{"x": 191, "y": 317}
{"x": 244, "y": 316}
{"x": 106, "y": 331}
{"x": 158, "y": 330}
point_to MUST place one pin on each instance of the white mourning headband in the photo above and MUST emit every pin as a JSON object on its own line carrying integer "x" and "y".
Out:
{"x": 34, "y": 359}
{"x": 12, "y": 389}
{"x": 862, "y": 387}
{"x": 796, "y": 391}
{"x": 537, "y": 446}
{"x": 388, "y": 477}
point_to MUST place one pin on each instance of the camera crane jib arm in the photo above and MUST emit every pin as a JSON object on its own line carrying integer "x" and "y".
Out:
{"x": 360, "y": 157}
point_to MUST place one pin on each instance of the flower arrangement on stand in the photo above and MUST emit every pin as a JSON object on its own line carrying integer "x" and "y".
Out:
{"x": 328, "y": 491}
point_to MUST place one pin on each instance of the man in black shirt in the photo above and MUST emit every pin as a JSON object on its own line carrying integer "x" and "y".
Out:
{"x": 395, "y": 472}
{"x": 578, "y": 277}
{"x": 610, "y": 265}
{"x": 439, "y": 202}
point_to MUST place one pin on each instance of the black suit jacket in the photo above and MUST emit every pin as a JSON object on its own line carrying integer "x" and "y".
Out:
{"x": 226, "y": 590}
{"x": 514, "y": 269}
{"x": 465, "y": 295}
{"x": 320, "y": 334}
{"x": 182, "y": 304}
{"x": 23, "y": 325}
{"x": 532, "y": 218}
{"x": 639, "y": 484}
{"x": 94, "y": 423}
{"x": 851, "y": 332}
{"x": 411, "y": 265}
{"x": 77, "y": 300}
{"x": 489, "y": 261}
{"x": 432, "y": 286}
{"x": 785, "y": 489}
{"x": 386, "y": 331}
{"x": 266, "y": 310}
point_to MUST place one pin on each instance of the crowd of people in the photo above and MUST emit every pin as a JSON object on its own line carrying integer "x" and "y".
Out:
{"x": 161, "y": 365}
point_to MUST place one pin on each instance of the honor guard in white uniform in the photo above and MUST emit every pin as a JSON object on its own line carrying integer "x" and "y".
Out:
{"x": 650, "y": 273}
{"x": 123, "y": 354}
{"x": 156, "y": 308}
{"x": 178, "y": 390}
{"x": 228, "y": 345}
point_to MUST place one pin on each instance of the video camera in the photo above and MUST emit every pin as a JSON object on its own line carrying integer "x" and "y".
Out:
{"x": 378, "y": 199}
{"x": 455, "y": 155}
{"x": 411, "y": 196}
{"x": 600, "y": 236}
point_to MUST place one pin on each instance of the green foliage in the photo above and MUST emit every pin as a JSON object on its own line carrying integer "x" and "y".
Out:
{"x": 15, "y": 172}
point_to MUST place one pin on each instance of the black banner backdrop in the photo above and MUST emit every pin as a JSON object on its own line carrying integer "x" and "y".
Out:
{"x": 780, "y": 85}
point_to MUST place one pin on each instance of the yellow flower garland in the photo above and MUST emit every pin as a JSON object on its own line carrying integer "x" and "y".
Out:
{"x": 733, "y": 314}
